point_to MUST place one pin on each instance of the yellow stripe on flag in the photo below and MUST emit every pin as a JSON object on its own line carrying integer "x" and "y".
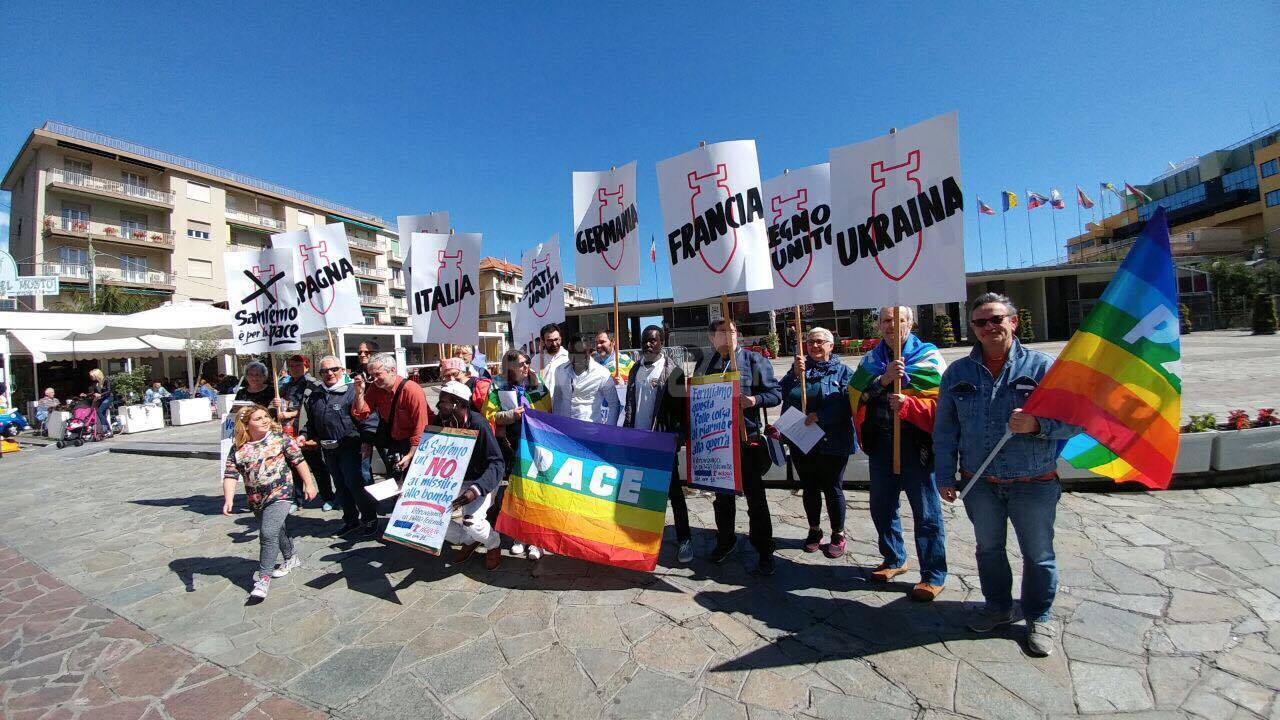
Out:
{"x": 1128, "y": 370}
{"x": 587, "y": 506}
{"x": 600, "y": 530}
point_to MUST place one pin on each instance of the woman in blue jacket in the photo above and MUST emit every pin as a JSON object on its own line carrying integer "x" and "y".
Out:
{"x": 821, "y": 470}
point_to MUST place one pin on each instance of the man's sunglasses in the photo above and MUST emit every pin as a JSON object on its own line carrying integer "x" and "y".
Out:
{"x": 331, "y": 370}
{"x": 994, "y": 320}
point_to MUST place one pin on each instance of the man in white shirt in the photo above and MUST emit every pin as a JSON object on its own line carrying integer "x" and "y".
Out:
{"x": 553, "y": 355}
{"x": 583, "y": 389}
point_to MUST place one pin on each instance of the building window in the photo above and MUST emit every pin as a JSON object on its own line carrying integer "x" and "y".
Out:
{"x": 198, "y": 230}
{"x": 80, "y": 167}
{"x": 197, "y": 192}
{"x": 69, "y": 257}
{"x": 1273, "y": 198}
{"x": 199, "y": 268}
{"x": 134, "y": 268}
{"x": 75, "y": 217}
{"x": 133, "y": 180}
{"x": 306, "y": 219}
{"x": 1269, "y": 168}
{"x": 133, "y": 226}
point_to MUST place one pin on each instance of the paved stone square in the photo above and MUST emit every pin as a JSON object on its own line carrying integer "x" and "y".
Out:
{"x": 1168, "y": 603}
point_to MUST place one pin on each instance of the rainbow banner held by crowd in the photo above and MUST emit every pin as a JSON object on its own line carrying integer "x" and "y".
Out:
{"x": 1119, "y": 377}
{"x": 589, "y": 491}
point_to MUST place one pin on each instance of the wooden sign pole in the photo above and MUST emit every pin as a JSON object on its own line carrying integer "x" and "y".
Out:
{"x": 897, "y": 389}
{"x": 617, "y": 338}
{"x": 329, "y": 334}
{"x": 800, "y": 343}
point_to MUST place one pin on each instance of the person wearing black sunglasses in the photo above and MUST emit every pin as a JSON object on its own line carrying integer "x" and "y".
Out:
{"x": 331, "y": 426}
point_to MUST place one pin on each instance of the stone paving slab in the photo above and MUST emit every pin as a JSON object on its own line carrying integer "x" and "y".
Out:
{"x": 1168, "y": 602}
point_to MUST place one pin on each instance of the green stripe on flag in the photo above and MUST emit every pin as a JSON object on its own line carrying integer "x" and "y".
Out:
{"x": 1112, "y": 324}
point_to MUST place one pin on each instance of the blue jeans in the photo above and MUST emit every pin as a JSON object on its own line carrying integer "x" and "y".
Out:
{"x": 348, "y": 479}
{"x": 1031, "y": 507}
{"x": 926, "y": 507}
{"x": 104, "y": 407}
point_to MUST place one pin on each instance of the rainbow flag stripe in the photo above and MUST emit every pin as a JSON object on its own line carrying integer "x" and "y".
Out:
{"x": 924, "y": 374}
{"x": 1119, "y": 375}
{"x": 590, "y": 491}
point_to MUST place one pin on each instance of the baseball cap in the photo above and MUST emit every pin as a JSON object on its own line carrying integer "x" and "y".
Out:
{"x": 457, "y": 389}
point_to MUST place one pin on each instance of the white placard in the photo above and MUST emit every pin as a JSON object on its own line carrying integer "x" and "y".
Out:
{"x": 606, "y": 240}
{"x": 260, "y": 295}
{"x": 713, "y": 220}
{"x": 542, "y": 297}
{"x": 325, "y": 288}
{"x": 407, "y": 225}
{"x": 383, "y": 490}
{"x": 444, "y": 298}
{"x": 791, "y": 424}
{"x": 430, "y": 486}
{"x": 898, "y": 215}
{"x": 797, "y": 211}
{"x": 713, "y": 456}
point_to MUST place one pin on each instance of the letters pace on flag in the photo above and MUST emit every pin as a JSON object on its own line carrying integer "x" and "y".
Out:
{"x": 797, "y": 211}
{"x": 432, "y": 483}
{"x": 325, "y": 288}
{"x": 898, "y": 213}
{"x": 407, "y": 225}
{"x": 713, "y": 458}
{"x": 606, "y": 239}
{"x": 713, "y": 219}
{"x": 444, "y": 294}
{"x": 261, "y": 297}
{"x": 542, "y": 297}
{"x": 1119, "y": 376}
{"x": 590, "y": 491}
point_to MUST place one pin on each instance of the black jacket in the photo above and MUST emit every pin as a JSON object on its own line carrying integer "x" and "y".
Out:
{"x": 671, "y": 413}
{"x": 486, "y": 466}
{"x": 329, "y": 417}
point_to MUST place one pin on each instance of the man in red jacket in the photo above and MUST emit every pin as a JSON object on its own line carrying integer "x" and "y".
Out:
{"x": 402, "y": 411}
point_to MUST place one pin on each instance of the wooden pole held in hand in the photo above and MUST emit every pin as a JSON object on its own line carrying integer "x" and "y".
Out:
{"x": 617, "y": 337}
{"x": 804, "y": 389}
{"x": 897, "y": 389}
{"x": 329, "y": 334}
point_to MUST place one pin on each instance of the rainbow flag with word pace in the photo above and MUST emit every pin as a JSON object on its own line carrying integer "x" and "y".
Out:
{"x": 1119, "y": 375}
{"x": 590, "y": 491}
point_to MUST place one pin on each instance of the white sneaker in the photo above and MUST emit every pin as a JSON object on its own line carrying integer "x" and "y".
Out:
{"x": 260, "y": 587}
{"x": 517, "y": 548}
{"x": 327, "y": 507}
{"x": 534, "y": 553}
{"x": 294, "y": 508}
{"x": 286, "y": 566}
{"x": 684, "y": 553}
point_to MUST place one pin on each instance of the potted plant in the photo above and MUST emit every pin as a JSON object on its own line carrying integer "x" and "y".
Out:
{"x": 1195, "y": 452}
{"x": 1264, "y": 314}
{"x": 48, "y": 224}
{"x": 943, "y": 336}
{"x": 134, "y": 416}
{"x": 156, "y": 237}
{"x": 1184, "y": 319}
{"x": 1246, "y": 444}
{"x": 1266, "y": 418}
{"x": 1026, "y": 331}
{"x": 139, "y": 235}
{"x": 81, "y": 226}
{"x": 110, "y": 231}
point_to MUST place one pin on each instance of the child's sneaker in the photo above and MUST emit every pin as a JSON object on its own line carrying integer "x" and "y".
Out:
{"x": 260, "y": 587}
{"x": 534, "y": 553}
{"x": 517, "y": 548}
{"x": 286, "y": 566}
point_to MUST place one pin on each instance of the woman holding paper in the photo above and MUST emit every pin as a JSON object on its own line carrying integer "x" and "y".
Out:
{"x": 823, "y": 402}
{"x": 516, "y": 390}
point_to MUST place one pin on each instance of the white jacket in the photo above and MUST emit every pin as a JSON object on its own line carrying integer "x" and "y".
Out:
{"x": 591, "y": 396}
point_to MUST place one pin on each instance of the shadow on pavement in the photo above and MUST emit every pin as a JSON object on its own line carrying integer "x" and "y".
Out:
{"x": 202, "y": 504}
{"x": 238, "y": 570}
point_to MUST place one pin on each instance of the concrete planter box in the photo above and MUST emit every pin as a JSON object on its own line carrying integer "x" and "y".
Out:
{"x": 1195, "y": 451}
{"x": 141, "y": 418}
{"x": 187, "y": 412}
{"x": 56, "y": 422}
{"x": 224, "y": 404}
{"x": 1237, "y": 449}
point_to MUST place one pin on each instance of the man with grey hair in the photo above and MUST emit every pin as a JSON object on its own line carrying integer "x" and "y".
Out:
{"x": 331, "y": 426}
{"x": 402, "y": 411}
{"x": 981, "y": 398}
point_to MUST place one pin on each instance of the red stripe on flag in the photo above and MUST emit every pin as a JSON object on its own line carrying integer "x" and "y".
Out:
{"x": 1132, "y": 447}
{"x": 562, "y": 544}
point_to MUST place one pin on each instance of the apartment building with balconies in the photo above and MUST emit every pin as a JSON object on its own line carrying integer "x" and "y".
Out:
{"x": 97, "y": 210}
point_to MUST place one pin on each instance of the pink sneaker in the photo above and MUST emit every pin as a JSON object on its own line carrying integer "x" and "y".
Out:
{"x": 834, "y": 549}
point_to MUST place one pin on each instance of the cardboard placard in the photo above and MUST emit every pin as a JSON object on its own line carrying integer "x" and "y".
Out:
{"x": 714, "y": 454}
{"x": 261, "y": 297}
{"x": 797, "y": 210}
{"x": 606, "y": 242}
{"x": 434, "y": 479}
{"x": 542, "y": 296}
{"x": 325, "y": 288}
{"x": 444, "y": 294}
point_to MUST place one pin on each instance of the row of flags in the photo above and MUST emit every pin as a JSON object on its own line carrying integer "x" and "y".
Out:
{"x": 1009, "y": 199}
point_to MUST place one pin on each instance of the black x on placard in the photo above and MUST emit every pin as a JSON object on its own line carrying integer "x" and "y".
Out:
{"x": 263, "y": 288}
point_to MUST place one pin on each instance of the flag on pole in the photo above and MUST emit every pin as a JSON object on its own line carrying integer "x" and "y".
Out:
{"x": 984, "y": 208}
{"x": 1008, "y": 200}
{"x": 1119, "y": 377}
{"x": 653, "y": 250}
{"x": 1135, "y": 192}
{"x": 1111, "y": 186}
{"x": 1055, "y": 200}
{"x": 1083, "y": 200}
{"x": 1035, "y": 200}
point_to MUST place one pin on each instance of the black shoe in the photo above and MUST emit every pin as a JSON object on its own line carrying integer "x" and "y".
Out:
{"x": 347, "y": 528}
{"x": 723, "y": 551}
{"x": 369, "y": 529}
{"x": 766, "y": 566}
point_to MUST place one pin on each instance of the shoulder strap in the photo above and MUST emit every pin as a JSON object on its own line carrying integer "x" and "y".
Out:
{"x": 395, "y": 400}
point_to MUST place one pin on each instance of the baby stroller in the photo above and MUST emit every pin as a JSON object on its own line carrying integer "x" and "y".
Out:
{"x": 82, "y": 426}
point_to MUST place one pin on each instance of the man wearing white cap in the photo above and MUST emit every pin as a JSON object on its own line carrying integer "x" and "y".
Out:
{"x": 484, "y": 471}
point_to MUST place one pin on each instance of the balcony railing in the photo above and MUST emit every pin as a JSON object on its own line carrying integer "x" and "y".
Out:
{"x": 81, "y": 272}
{"x": 373, "y": 272}
{"x": 255, "y": 219}
{"x": 110, "y": 232}
{"x": 373, "y": 246}
{"x": 397, "y": 283}
{"x": 378, "y": 300}
{"x": 113, "y": 187}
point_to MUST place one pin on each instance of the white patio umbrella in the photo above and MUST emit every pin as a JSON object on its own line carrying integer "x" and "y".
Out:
{"x": 181, "y": 320}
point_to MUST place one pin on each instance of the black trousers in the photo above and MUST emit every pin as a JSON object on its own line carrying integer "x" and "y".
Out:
{"x": 760, "y": 523}
{"x": 679, "y": 508}
{"x": 319, "y": 471}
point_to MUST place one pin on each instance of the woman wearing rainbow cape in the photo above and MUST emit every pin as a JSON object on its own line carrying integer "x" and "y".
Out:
{"x": 874, "y": 406}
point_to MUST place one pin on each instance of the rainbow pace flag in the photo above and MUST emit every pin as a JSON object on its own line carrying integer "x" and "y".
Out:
{"x": 1119, "y": 375}
{"x": 591, "y": 491}
{"x": 925, "y": 366}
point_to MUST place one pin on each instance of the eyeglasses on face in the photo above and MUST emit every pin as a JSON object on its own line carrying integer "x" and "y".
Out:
{"x": 330, "y": 370}
{"x": 817, "y": 341}
{"x": 994, "y": 320}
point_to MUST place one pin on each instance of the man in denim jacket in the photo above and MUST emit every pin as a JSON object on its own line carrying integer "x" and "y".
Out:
{"x": 981, "y": 395}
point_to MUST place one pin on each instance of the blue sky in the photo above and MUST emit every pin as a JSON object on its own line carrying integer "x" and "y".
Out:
{"x": 408, "y": 108}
